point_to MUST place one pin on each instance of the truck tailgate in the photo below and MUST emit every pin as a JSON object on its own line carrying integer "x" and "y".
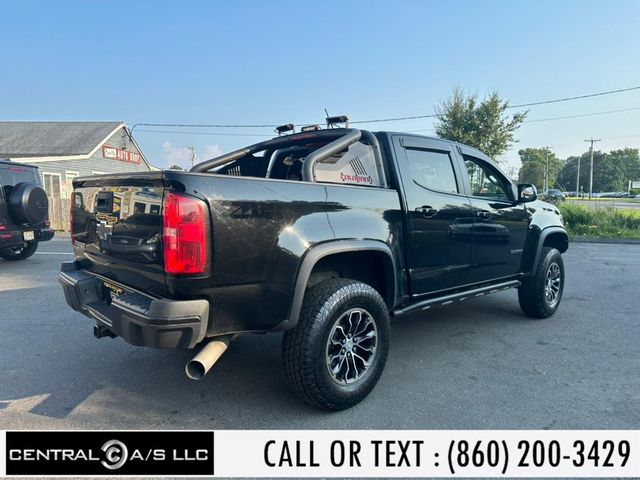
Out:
{"x": 116, "y": 223}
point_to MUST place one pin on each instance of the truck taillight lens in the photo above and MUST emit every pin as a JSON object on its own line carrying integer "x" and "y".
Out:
{"x": 185, "y": 235}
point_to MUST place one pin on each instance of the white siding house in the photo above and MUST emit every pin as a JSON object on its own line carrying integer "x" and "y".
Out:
{"x": 64, "y": 150}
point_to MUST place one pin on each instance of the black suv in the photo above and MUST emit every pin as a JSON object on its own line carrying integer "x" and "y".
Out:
{"x": 24, "y": 220}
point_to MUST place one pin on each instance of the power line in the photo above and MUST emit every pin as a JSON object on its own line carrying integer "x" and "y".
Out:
{"x": 617, "y": 137}
{"x": 566, "y": 99}
{"x": 622, "y": 136}
{"x": 544, "y": 102}
{"x": 593, "y": 114}
{"x": 201, "y": 125}
{"x": 225, "y": 134}
{"x": 379, "y": 120}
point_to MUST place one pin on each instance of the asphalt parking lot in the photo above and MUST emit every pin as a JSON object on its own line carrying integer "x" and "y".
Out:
{"x": 476, "y": 365}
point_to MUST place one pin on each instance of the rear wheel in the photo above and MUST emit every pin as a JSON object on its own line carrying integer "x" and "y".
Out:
{"x": 20, "y": 252}
{"x": 540, "y": 294}
{"x": 336, "y": 354}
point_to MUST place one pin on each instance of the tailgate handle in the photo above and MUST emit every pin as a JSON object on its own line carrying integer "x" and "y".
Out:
{"x": 145, "y": 248}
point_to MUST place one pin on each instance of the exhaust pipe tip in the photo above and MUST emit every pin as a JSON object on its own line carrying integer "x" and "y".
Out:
{"x": 198, "y": 366}
{"x": 195, "y": 370}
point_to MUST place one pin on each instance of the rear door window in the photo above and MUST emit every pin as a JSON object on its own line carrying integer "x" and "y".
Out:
{"x": 432, "y": 169}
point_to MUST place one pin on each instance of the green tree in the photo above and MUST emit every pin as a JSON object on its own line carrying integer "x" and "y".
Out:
{"x": 566, "y": 178}
{"x": 630, "y": 159}
{"x": 532, "y": 172}
{"x": 609, "y": 171}
{"x": 534, "y": 163}
{"x": 481, "y": 124}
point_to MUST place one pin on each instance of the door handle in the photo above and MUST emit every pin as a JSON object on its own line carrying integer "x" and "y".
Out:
{"x": 484, "y": 215}
{"x": 427, "y": 211}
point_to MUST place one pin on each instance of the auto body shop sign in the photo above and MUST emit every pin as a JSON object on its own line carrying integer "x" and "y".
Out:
{"x": 120, "y": 154}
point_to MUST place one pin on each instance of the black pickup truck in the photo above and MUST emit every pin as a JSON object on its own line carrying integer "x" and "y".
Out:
{"x": 323, "y": 234}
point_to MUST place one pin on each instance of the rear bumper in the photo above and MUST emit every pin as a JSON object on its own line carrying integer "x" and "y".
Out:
{"x": 137, "y": 318}
{"x": 16, "y": 237}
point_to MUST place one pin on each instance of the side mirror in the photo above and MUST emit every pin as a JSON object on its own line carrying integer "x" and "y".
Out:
{"x": 527, "y": 193}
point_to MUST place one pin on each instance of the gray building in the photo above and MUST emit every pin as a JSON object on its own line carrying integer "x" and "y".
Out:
{"x": 65, "y": 150}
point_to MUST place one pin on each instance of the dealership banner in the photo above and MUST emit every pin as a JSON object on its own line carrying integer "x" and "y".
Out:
{"x": 322, "y": 453}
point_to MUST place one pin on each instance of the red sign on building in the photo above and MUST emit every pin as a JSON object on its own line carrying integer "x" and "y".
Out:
{"x": 120, "y": 154}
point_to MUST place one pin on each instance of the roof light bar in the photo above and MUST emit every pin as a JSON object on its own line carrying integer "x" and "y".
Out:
{"x": 332, "y": 121}
{"x": 288, "y": 127}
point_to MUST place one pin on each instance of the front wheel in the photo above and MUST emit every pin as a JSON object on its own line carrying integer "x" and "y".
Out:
{"x": 540, "y": 294}
{"x": 336, "y": 354}
{"x": 19, "y": 253}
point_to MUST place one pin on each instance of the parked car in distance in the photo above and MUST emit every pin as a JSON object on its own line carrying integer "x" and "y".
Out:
{"x": 24, "y": 220}
{"x": 553, "y": 195}
{"x": 325, "y": 235}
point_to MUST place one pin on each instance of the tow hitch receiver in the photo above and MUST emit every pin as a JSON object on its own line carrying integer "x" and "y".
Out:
{"x": 100, "y": 332}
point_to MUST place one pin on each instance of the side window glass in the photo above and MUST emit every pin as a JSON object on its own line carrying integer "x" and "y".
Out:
{"x": 432, "y": 169}
{"x": 485, "y": 181}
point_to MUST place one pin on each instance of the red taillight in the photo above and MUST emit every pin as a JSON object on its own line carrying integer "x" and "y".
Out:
{"x": 185, "y": 235}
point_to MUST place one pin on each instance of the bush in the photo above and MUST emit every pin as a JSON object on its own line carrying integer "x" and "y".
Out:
{"x": 601, "y": 222}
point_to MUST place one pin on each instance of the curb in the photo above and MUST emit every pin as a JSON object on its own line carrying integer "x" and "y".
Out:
{"x": 623, "y": 241}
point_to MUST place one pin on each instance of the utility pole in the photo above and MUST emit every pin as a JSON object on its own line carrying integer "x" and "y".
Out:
{"x": 192, "y": 155}
{"x": 546, "y": 169}
{"x": 578, "y": 178}
{"x": 592, "y": 141}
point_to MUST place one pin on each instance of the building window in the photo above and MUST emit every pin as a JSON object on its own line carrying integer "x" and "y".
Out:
{"x": 52, "y": 184}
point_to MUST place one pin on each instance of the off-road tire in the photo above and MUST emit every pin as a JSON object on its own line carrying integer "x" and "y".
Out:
{"x": 304, "y": 348}
{"x": 532, "y": 295}
{"x": 8, "y": 253}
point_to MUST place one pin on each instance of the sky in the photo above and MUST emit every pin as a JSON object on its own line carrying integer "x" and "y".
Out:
{"x": 257, "y": 62}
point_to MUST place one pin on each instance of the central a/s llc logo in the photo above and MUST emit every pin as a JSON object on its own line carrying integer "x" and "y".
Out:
{"x": 125, "y": 453}
{"x": 116, "y": 454}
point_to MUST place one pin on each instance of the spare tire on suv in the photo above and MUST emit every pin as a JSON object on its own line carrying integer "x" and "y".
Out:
{"x": 28, "y": 203}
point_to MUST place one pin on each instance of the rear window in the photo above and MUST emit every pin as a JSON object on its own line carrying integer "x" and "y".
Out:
{"x": 11, "y": 175}
{"x": 14, "y": 174}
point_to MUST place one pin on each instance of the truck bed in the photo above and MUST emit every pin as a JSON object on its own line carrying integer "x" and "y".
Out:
{"x": 260, "y": 231}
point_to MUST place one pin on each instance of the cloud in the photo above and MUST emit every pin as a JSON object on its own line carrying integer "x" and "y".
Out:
{"x": 212, "y": 151}
{"x": 182, "y": 155}
{"x": 176, "y": 154}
